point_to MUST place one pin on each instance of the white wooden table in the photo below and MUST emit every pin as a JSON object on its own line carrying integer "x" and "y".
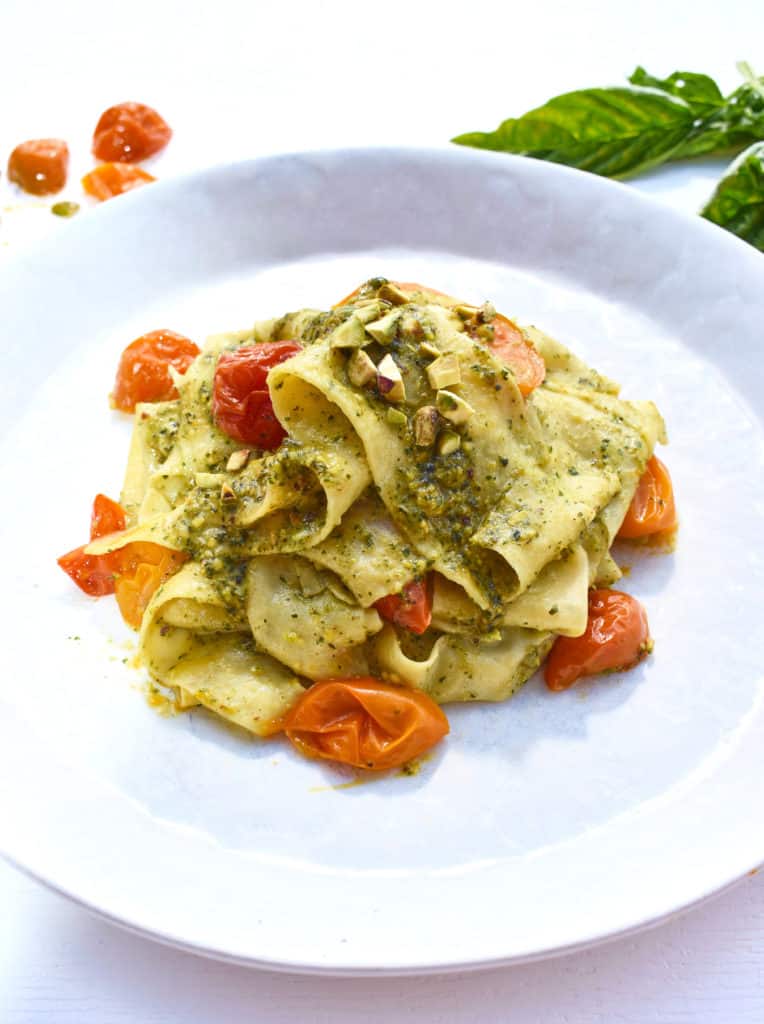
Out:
{"x": 237, "y": 82}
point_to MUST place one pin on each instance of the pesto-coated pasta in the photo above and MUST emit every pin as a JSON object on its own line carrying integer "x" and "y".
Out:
{"x": 410, "y": 454}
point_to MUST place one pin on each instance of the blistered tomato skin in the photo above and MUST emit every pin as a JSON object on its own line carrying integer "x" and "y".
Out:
{"x": 130, "y": 132}
{"x": 241, "y": 402}
{"x": 364, "y": 723}
{"x": 39, "y": 166}
{"x": 143, "y": 374}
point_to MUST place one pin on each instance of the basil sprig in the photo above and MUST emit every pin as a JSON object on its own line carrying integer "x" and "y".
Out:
{"x": 623, "y": 130}
{"x": 738, "y": 202}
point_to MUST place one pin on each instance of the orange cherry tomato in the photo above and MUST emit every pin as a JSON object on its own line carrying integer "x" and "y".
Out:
{"x": 241, "y": 402}
{"x": 109, "y": 180}
{"x": 94, "y": 574}
{"x": 143, "y": 374}
{"x": 129, "y": 133}
{"x": 652, "y": 508}
{"x": 140, "y": 567}
{"x": 511, "y": 346}
{"x": 364, "y": 723}
{"x": 617, "y": 636}
{"x": 39, "y": 166}
{"x": 412, "y": 608}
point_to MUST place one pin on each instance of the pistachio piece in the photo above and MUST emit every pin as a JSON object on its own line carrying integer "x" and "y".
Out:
{"x": 227, "y": 493}
{"x": 361, "y": 369}
{"x": 349, "y": 334}
{"x": 426, "y": 423}
{"x": 237, "y": 460}
{"x": 396, "y": 418}
{"x": 487, "y": 313}
{"x": 389, "y": 380}
{"x": 444, "y": 372}
{"x": 371, "y": 309}
{"x": 448, "y": 443}
{"x": 384, "y": 330}
{"x": 467, "y": 312}
{"x": 428, "y": 349}
{"x": 392, "y": 293}
{"x": 452, "y": 407}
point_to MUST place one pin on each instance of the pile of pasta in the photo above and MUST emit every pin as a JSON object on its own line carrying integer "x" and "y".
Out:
{"x": 410, "y": 454}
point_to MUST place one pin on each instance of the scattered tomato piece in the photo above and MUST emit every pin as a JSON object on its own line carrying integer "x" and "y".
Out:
{"x": 94, "y": 574}
{"x": 364, "y": 723}
{"x": 39, "y": 166}
{"x": 109, "y": 180}
{"x": 412, "y": 608}
{"x": 652, "y": 509}
{"x": 140, "y": 568}
{"x": 130, "y": 132}
{"x": 617, "y": 637}
{"x": 107, "y": 517}
{"x": 241, "y": 402}
{"x": 143, "y": 374}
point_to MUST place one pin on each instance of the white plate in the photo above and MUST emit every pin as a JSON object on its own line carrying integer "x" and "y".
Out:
{"x": 541, "y": 824}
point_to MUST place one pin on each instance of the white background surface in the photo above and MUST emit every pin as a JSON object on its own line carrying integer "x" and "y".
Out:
{"x": 237, "y": 83}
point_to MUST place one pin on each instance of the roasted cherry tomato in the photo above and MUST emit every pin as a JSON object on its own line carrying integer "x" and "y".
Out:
{"x": 511, "y": 346}
{"x": 652, "y": 508}
{"x": 95, "y": 573}
{"x": 107, "y": 517}
{"x": 241, "y": 403}
{"x": 616, "y": 637}
{"x": 143, "y": 374}
{"x": 39, "y": 166}
{"x": 365, "y": 723}
{"x": 140, "y": 567}
{"x": 412, "y": 608}
{"x": 129, "y": 133}
{"x": 109, "y": 180}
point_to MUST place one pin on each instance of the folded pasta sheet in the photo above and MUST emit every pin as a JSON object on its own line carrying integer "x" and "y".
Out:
{"x": 410, "y": 449}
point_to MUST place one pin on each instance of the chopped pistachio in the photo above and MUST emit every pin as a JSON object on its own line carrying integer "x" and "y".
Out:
{"x": 448, "y": 443}
{"x": 371, "y": 309}
{"x": 444, "y": 372}
{"x": 392, "y": 293}
{"x": 361, "y": 369}
{"x": 487, "y": 313}
{"x": 227, "y": 493}
{"x": 66, "y": 208}
{"x": 384, "y": 330}
{"x": 396, "y": 418}
{"x": 467, "y": 312}
{"x": 389, "y": 380}
{"x": 452, "y": 407}
{"x": 350, "y": 334}
{"x": 428, "y": 349}
{"x": 426, "y": 423}
{"x": 237, "y": 460}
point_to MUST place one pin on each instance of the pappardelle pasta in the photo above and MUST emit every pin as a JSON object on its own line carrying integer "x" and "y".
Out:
{"x": 336, "y": 521}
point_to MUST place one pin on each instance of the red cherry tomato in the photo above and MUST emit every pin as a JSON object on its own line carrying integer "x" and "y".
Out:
{"x": 39, "y": 166}
{"x": 109, "y": 180}
{"x": 412, "y": 608}
{"x": 241, "y": 403}
{"x": 652, "y": 508}
{"x": 107, "y": 517}
{"x": 617, "y": 636}
{"x": 143, "y": 374}
{"x": 365, "y": 723}
{"x": 129, "y": 133}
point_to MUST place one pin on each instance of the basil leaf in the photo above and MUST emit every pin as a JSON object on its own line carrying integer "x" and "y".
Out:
{"x": 699, "y": 92}
{"x": 738, "y": 202}
{"x": 615, "y": 132}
